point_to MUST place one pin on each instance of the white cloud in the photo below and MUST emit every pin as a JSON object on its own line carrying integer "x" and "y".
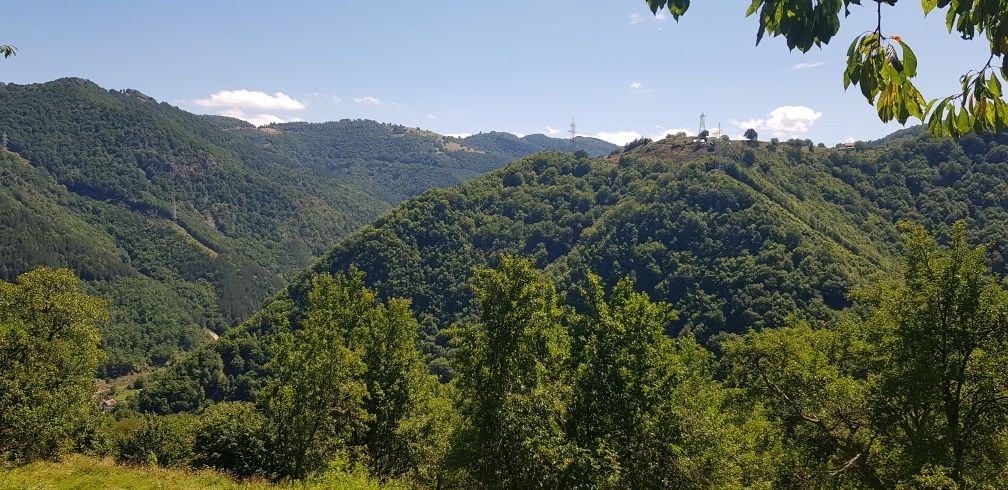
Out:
{"x": 784, "y": 121}
{"x": 459, "y": 135}
{"x": 257, "y": 119}
{"x": 618, "y": 137}
{"x": 673, "y": 131}
{"x": 636, "y": 18}
{"x": 454, "y": 112}
{"x": 251, "y": 99}
{"x": 336, "y": 100}
{"x": 431, "y": 117}
{"x": 552, "y": 130}
{"x": 638, "y": 88}
{"x": 368, "y": 100}
{"x": 806, "y": 66}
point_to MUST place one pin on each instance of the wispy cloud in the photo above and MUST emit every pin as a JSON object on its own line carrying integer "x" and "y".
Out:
{"x": 368, "y": 100}
{"x": 251, "y": 99}
{"x": 552, "y": 130}
{"x": 807, "y": 66}
{"x": 639, "y": 88}
{"x": 431, "y": 117}
{"x": 636, "y": 18}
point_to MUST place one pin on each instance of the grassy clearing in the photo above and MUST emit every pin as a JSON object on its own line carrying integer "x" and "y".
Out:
{"x": 77, "y": 471}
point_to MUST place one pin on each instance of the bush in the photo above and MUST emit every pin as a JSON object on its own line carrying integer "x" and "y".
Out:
{"x": 163, "y": 440}
{"x": 748, "y": 157}
{"x": 232, "y": 437}
{"x": 512, "y": 178}
{"x": 96, "y": 435}
{"x": 635, "y": 143}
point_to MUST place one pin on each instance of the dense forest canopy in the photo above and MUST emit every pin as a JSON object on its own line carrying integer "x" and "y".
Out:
{"x": 581, "y": 386}
{"x": 733, "y": 237}
{"x": 188, "y": 223}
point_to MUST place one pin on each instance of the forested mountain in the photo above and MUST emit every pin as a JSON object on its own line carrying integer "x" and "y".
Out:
{"x": 514, "y": 147}
{"x": 187, "y": 222}
{"x": 393, "y": 162}
{"x": 733, "y": 237}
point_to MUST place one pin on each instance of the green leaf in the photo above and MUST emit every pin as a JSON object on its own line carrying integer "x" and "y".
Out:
{"x": 994, "y": 85}
{"x": 909, "y": 60}
{"x": 963, "y": 121}
{"x": 928, "y": 5}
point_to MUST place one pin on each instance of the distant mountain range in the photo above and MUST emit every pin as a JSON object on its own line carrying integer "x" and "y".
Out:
{"x": 188, "y": 222}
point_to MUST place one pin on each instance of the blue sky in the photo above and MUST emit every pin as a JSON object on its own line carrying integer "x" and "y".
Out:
{"x": 464, "y": 66}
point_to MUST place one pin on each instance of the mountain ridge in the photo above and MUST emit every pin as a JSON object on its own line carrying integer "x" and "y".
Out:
{"x": 188, "y": 222}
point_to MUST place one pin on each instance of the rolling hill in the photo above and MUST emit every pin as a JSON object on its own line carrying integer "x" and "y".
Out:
{"x": 734, "y": 237}
{"x": 187, "y": 223}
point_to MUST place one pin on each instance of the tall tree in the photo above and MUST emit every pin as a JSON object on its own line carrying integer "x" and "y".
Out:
{"x": 813, "y": 387}
{"x": 412, "y": 418}
{"x": 48, "y": 357}
{"x": 751, "y": 136}
{"x": 513, "y": 380}
{"x": 915, "y": 393}
{"x": 315, "y": 396}
{"x": 943, "y": 393}
{"x": 646, "y": 410}
{"x": 882, "y": 63}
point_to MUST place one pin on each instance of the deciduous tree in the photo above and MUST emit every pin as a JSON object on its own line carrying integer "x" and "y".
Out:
{"x": 48, "y": 357}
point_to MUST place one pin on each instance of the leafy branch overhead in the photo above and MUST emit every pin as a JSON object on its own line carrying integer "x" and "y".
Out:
{"x": 883, "y": 66}
{"x": 7, "y": 50}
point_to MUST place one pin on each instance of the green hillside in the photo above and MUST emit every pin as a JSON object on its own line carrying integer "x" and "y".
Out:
{"x": 516, "y": 147}
{"x": 188, "y": 223}
{"x": 393, "y": 162}
{"x": 733, "y": 237}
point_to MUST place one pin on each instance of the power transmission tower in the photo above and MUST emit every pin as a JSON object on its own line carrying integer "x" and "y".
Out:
{"x": 702, "y": 126}
{"x": 573, "y": 134}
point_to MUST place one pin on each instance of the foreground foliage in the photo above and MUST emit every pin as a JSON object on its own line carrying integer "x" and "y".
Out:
{"x": 48, "y": 355}
{"x": 582, "y": 386}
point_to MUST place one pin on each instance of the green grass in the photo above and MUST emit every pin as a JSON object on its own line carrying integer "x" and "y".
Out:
{"x": 77, "y": 471}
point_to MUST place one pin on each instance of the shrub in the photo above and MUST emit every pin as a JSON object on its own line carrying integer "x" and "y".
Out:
{"x": 232, "y": 437}
{"x": 163, "y": 440}
{"x": 635, "y": 143}
{"x": 748, "y": 157}
{"x": 512, "y": 178}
